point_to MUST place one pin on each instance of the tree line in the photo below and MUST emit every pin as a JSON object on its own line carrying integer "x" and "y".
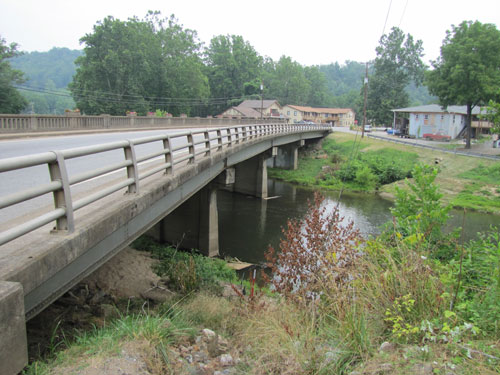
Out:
{"x": 154, "y": 63}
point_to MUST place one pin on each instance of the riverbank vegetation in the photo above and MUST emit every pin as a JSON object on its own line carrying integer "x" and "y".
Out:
{"x": 412, "y": 300}
{"x": 346, "y": 162}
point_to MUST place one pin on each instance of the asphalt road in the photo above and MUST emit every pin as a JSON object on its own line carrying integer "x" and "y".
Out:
{"x": 17, "y": 180}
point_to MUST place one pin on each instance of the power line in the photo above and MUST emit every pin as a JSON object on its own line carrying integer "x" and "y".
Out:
{"x": 387, "y": 17}
{"x": 402, "y": 15}
{"x": 130, "y": 99}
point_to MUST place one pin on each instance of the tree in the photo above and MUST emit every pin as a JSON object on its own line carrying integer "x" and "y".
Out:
{"x": 233, "y": 68}
{"x": 139, "y": 65}
{"x": 398, "y": 62}
{"x": 468, "y": 70}
{"x": 493, "y": 115}
{"x": 318, "y": 93}
{"x": 11, "y": 101}
{"x": 286, "y": 81}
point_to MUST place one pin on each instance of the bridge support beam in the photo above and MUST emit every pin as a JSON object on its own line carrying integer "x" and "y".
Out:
{"x": 13, "y": 342}
{"x": 194, "y": 224}
{"x": 251, "y": 176}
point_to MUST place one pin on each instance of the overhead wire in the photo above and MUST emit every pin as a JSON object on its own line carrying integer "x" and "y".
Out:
{"x": 357, "y": 143}
{"x": 403, "y": 14}
{"x": 130, "y": 99}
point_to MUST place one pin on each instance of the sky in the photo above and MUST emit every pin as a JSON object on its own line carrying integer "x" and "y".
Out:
{"x": 312, "y": 32}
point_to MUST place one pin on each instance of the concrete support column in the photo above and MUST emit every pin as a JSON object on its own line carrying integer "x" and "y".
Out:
{"x": 194, "y": 224}
{"x": 13, "y": 342}
{"x": 288, "y": 157}
{"x": 251, "y": 176}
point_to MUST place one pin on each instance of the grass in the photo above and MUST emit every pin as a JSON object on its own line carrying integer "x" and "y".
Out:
{"x": 466, "y": 182}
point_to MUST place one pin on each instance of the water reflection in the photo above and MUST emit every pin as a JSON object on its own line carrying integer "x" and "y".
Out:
{"x": 247, "y": 225}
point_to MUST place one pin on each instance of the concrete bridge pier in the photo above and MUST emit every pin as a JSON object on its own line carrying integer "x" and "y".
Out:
{"x": 287, "y": 156}
{"x": 194, "y": 224}
{"x": 251, "y": 176}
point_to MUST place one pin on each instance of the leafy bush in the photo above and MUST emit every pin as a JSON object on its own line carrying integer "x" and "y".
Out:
{"x": 418, "y": 213}
{"x": 186, "y": 271}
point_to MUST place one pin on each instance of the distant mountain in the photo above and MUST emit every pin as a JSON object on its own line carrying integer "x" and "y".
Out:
{"x": 56, "y": 65}
{"x": 52, "y": 70}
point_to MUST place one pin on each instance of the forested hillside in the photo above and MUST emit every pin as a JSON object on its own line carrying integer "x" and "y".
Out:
{"x": 47, "y": 77}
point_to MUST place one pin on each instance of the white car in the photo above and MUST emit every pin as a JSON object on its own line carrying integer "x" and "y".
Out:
{"x": 368, "y": 128}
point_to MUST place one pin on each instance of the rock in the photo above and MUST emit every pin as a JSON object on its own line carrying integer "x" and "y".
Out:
{"x": 422, "y": 369}
{"x": 108, "y": 311}
{"x": 226, "y": 360}
{"x": 387, "y": 347}
{"x": 208, "y": 333}
{"x": 156, "y": 295}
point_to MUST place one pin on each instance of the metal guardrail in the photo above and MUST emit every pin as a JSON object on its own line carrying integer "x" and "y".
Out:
{"x": 455, "y": 152}
{"x": 60, "y": 182}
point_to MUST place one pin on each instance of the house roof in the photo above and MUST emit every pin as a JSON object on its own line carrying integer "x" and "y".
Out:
{"x": 436, "y": 108}
{"x": 245, "y": 112}
{"x": 333, "y": 111}
{"x": 256, "y": 104}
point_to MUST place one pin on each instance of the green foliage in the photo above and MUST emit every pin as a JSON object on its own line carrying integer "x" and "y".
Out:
{"x": 285, "y": 80}
{"x": 467, "y": 71}
{"x": 187, "y": 271}
{"x": 493, "y": 115}
{"x": 233, "y": 68}
{"x": 479, "y": 270}
{"x": 419, "y": 215}
{"x": 11, "y": 101}
{"x": 398, "y": 62}
{"x": 128, "y": 65}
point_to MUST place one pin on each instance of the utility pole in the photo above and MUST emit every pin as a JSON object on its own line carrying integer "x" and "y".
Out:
{"x": 364, "y": 106}
{"x": 261, "y": 100}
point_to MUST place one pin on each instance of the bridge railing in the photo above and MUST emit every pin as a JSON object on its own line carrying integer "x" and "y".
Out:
{"x": 176, "y": 149}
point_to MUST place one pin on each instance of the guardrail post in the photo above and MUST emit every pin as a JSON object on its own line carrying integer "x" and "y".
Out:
{"x": 244, "y": 132}
{"x": 219, "y": 140}
{"x": 237, "y": 135}
{"x": 169, "y": 156}
{"x": 190, "y": 140}
{"x": 62, "y": 197}
{"x": 132, "y": 171}
{"x": 208, "y": 147}
{"x": 229, "y": 137}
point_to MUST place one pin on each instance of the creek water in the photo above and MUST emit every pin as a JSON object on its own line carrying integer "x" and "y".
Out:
{"x": 247, "y": 225}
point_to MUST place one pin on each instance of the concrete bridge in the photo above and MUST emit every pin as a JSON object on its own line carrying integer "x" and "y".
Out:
{"x": 168, "y": 190}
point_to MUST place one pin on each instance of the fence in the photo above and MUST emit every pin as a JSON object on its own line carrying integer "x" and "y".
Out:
{"x": 188, "y": 148}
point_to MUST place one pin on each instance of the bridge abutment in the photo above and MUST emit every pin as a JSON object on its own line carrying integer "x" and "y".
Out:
{"x": 13, "y": 343}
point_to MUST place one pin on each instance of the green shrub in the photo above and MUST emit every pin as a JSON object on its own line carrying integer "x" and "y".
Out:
{"x": 186, "y": 271}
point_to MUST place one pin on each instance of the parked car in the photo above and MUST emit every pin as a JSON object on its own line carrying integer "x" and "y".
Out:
{"x": 368, "y": 128}
{"x": 393, "y": 131}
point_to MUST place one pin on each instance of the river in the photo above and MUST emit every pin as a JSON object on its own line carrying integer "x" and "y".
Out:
{"x": 247, "y": 225}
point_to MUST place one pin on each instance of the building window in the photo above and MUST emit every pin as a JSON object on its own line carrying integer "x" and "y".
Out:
{"x": 416, "y": 117}
{"x": 463, "y": 118}
{"x": 288, "y": 113}
{"x": 426, "y": 117}
{"x": 453, "y": 118}
{"x": 295, "y": 113}
{"x": 442, "y": 117}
